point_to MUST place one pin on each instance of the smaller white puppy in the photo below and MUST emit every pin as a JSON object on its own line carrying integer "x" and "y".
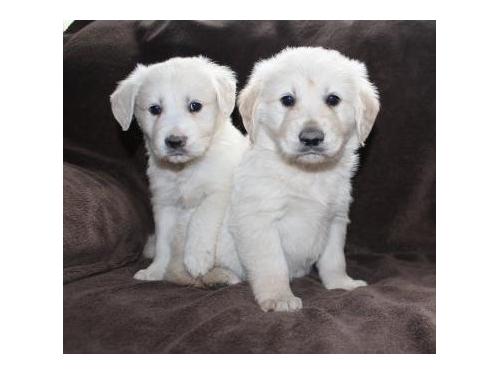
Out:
{"x": 306, "y": 110}
{"x": 183, "y": 106}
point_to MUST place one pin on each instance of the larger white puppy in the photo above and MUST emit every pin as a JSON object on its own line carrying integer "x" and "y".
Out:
{"x": 306, "y": 110}
{"x": 183, "y": 107}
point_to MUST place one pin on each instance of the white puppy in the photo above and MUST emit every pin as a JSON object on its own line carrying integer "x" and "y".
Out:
{"x": 183, "y": 107}
{"x": 306, "y": 110}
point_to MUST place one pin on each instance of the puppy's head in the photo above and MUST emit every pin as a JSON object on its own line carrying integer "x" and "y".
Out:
{"x": 179, "y": 105}
{"x": 308, "y": 103}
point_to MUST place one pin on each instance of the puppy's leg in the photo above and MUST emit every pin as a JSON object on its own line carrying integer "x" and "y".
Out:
{"x": 202, "y": 234}
{"x": 226, "y": 256}
{"x": 259, "y": 247}
{"x": 331, "y": 264}
{"x": 164, "y": 229}
{"x": 176, "y": 271}
{"x": 149, "y": 248}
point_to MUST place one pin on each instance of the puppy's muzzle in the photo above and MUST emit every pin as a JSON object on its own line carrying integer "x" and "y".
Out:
{"x": 176, "y": 141}
{"x": 311, "y": 137}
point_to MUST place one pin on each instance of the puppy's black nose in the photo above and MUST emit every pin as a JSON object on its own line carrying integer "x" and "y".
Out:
{"x": 311, "y": 136}
{"x": 176, "y": 141}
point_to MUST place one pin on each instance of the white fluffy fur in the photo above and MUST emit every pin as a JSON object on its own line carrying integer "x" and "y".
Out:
{"x": 190, "y": 189}
{"x": 289, "y": 210}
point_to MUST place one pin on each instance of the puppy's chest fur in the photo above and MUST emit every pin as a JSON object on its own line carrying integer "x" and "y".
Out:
{"x": 311, "y": 202}
{"x": 305, "y": 204}
{"x": 181, "y": 192}
{"x": 181, "y": 189}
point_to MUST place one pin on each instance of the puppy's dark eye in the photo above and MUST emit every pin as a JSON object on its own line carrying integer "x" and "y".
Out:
{"x": 195, "y": 107}
{"x": 155, "y": 109}
{"x": 332, "y": 100}
{"x": 287, "y": 100}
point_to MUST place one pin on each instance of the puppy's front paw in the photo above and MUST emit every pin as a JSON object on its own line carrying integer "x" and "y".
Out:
{"x": 287, "y": 303}
{"x": 344, "y": 282}
{"x": 198, "y": 263}
{"x": 152, "y": 273}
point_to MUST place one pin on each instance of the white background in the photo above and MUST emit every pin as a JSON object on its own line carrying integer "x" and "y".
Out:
{"x": 468, "y": 187}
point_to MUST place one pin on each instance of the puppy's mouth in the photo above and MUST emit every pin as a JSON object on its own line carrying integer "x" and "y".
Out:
{"x": 306, "y": 151}
{"x": 311, "y": 155}
{"x": 177, "y": 156}
{"x": 176, "y": 153}
{"x": 311, "y": 152}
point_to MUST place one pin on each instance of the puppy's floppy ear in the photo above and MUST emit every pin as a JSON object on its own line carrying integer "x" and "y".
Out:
{"x": 367, "y": 105}
{"x": 225, "y": 86}
{"x": 123, "y": 98}
{"x": 247, "y": 100}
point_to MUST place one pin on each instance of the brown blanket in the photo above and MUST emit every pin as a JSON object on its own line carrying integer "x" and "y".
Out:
{"x": 113, "y": 313}
{"x": 107, "y": 215}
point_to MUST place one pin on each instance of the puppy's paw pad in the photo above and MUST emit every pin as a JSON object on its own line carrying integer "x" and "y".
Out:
{"x": 346, "y": 283}
{"x": 149, "y": 274}
{"x": 289, "y": 303}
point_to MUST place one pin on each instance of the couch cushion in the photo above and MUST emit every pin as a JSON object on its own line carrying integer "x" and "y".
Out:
{"x": 96, "y": 56}
{"x": 105, "y": 225}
